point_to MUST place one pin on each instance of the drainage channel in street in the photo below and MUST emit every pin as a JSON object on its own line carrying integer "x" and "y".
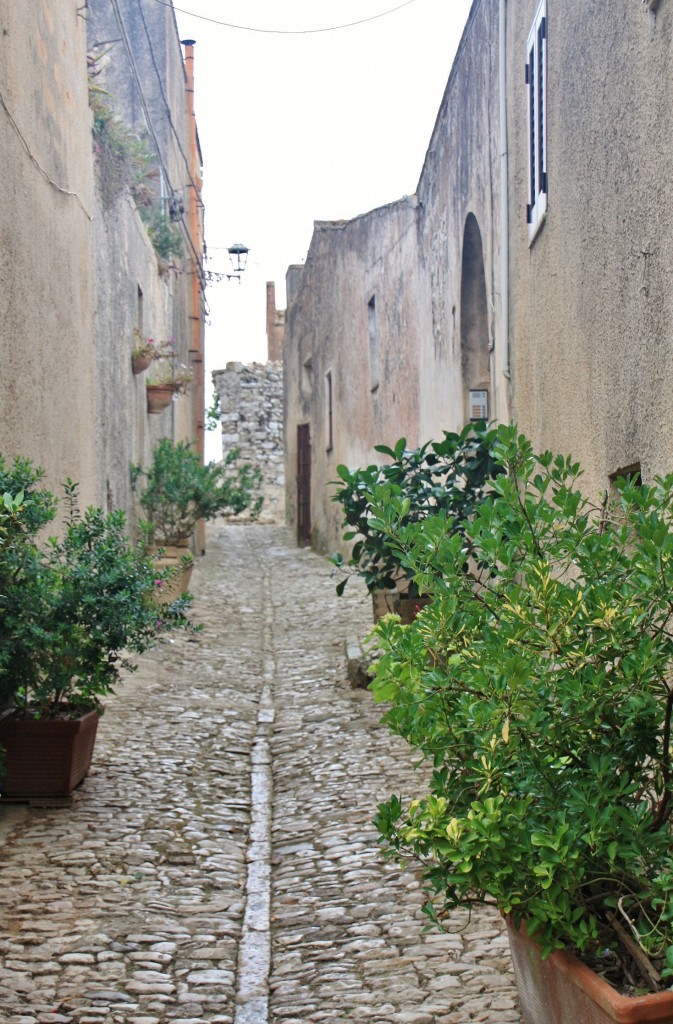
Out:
{"x": 254, "y": 955}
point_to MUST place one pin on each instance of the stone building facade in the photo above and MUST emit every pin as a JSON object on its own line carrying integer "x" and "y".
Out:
{"x": 527, "y": 279}
{"x": 78, "y": 271}
{"x": 251, "y": 402}
{"x": 251, "y": 413}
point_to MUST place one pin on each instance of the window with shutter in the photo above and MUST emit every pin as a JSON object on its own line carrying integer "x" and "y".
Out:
{"x": 536, "y": 87}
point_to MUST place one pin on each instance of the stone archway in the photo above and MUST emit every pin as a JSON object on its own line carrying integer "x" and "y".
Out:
{"x": 474, "y": 333}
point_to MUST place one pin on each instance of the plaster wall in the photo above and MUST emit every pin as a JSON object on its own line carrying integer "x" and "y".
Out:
{"x": 46, "y": 243}
{"x": 592, "y": 296}
{"x": 126, "y": 268}
{"x": 576, "y": 324}
{"x": 461, "y": 177}
{"x": 134, "y": 287}
{"x": 352, "y": 331}
{"x": 406, "y": 259}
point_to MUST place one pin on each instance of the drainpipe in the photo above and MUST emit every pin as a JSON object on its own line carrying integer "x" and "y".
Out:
{"x": 504, "y": 204}
{"x": 194, "y": 227}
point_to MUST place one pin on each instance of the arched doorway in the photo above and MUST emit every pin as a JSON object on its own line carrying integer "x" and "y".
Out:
{"x": 474, "y": 334}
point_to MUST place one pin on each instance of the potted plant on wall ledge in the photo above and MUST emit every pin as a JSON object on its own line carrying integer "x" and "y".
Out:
{"x": 538, "y": 684}
{"x": 168, "y": 381}
{"x": 145, "y": 351}
{"x": 447, "y": 476}
{"x": 179, "y": 490}
{"x": 71, "y": 613}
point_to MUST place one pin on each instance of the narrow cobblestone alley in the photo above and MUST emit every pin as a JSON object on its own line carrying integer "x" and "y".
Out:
{"x": 218, "y": 866}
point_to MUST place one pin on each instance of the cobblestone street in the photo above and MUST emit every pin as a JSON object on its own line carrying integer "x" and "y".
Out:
{"x": 218, "y": 866}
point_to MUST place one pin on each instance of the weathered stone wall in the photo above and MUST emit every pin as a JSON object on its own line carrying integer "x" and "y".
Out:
{"x": 73, "y": 269}
{"x": 592, "y": 296}
{"x": 571, "y": 329}
{"x": 251, "y": 400}
{"x": 351, "y": 366}
{"x": 134, "y": 287}
{"x": 46, "y": 244}
{"x": 382, "y": 302}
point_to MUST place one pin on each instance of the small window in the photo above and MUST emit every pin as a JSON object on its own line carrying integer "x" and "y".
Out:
{"x": 374, "y": 372}
{"x": 536, "y": 86}
{"x": 631, "y": 473}
{"x": 329, "y": 411}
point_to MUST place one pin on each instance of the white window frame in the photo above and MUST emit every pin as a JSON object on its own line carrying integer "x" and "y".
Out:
{"x": 329, "y": 411}
{"x": 536, "y": 90}
{"x": 374, "y": 370}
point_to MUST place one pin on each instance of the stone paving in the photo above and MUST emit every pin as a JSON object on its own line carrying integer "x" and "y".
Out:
{"x": 218, "y": 866}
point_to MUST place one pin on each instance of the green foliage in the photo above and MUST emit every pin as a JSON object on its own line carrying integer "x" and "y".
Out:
{"x": 165, "y": 236}
{"x": 447, "y": 476}
{"x": 124, "y": 160}
{"x": 538, "y": 686}
{"x": 179, "y": 490}
{"x": 214, "y": 413}
{"x": 24, "y": 510}
{"x": 71, "y": 611}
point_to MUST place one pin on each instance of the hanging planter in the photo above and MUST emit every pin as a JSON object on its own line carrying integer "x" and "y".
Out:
{"x": 159, "y": 397}
{"x": 169, "y": 381}
{"x": 146, "y": 350}
{"x": 141, "y": 362}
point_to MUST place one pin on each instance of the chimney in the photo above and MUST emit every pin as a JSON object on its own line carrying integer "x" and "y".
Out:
{"x": 275, "y": 325}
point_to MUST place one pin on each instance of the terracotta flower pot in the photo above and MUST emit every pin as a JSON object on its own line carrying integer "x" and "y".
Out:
{"x": 159, "y": 397}
{"x": 171, "y": 558}
{"x": 384, "y": 602}
{"x": 46, "y": 757}
{"x": 410, "y": 607}
{"x": 563, "y": 990}
{"x": 140, "y": 363}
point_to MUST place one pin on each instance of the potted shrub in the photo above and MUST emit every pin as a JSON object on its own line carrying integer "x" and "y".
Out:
{"x": 71, "y": 613}
{"x": 447, "y": 476}
{"x": 538, "y": 686}
{"x": 179, "y": 490}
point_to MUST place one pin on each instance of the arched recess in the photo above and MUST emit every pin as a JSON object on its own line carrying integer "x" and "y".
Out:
{"x": 474, "y": 337}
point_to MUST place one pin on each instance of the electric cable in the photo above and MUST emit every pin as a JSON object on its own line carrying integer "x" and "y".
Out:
{"x": 33, "y": 159}
{"x": 167, "y": 107}
{"x": 287, "y": 31}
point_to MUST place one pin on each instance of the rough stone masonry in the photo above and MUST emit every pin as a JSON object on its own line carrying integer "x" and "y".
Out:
{"x": 251, "y": 400}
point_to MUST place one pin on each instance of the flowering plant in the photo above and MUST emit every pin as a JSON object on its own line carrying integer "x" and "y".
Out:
{"x": 176, "y": 376}
{"x": 143, "y": 346}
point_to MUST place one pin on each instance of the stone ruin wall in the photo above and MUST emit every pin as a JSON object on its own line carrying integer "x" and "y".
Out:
{"x": 251, "y": 401}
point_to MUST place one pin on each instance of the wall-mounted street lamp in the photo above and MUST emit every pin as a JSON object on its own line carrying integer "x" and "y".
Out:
{"x": 238, "y": 254}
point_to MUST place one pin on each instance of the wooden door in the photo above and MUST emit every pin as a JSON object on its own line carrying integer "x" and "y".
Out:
{"x": 304, "y": 484}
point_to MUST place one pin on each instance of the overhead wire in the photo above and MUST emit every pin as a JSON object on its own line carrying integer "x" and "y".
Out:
{"x": 166, "y": 104}
{"x": 33, "y": 159}
{"x": 287, "y": 31}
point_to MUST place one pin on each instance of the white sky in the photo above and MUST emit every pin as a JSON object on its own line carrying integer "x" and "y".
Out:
{"x": 297, "y": 128}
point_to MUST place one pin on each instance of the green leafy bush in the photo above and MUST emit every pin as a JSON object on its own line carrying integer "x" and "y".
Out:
{"x": 179, "y": 490}
{"x": 449, "y": 475}
{"x": 166, "y": 237}
{"x": 72, "y": 610}
{"x": 25, "y": 509}
{"x": 538, "y": 686}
